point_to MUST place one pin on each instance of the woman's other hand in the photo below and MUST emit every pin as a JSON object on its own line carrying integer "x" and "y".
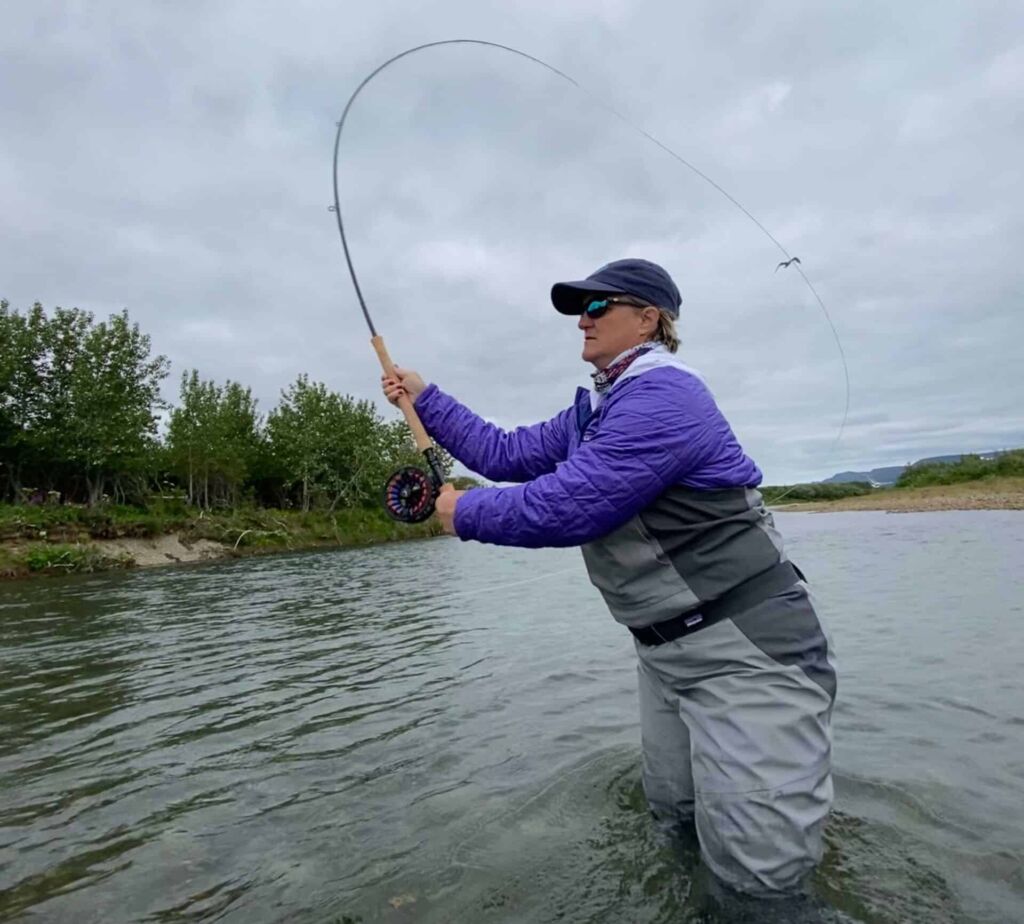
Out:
{"x": 444, "y": 507}
{"x": 405, "y": 382}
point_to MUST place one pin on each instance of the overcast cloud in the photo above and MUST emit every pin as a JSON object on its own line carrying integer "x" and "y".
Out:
{"x": 174, "y": 160}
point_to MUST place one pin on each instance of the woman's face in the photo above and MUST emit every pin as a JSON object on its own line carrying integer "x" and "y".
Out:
{"x": 618, "y": 329}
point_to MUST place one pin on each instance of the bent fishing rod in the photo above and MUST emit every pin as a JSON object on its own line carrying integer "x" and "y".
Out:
{"x": 411, "y": 492}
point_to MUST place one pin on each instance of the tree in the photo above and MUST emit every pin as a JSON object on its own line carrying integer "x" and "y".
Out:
{"x": 332, "y": 449}
{"x": 114, "y": 395}
{"x": 21, "y": 361}
{"x": 78, "y": 412}
{"x": 213, "y": 439}
{"x": 77, "y": 399}
{"x": 53, "y": 433}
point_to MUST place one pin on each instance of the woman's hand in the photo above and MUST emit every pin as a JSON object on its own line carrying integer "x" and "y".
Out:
{"x": 405, "y": 382}
{"x": 444, "y": 507}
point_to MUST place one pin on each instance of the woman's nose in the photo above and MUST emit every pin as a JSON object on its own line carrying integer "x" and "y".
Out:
{"x": 585, "y": 321}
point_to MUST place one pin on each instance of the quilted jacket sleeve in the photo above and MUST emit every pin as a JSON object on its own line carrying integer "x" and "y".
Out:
{"x": 518, "y": 455}
{"x": 654, "y": 429}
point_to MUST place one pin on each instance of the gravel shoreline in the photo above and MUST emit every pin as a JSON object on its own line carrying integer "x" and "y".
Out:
{"x": 997, "y": 494}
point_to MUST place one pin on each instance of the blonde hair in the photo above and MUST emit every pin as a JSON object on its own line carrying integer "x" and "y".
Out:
{"x": 665, "y": 332}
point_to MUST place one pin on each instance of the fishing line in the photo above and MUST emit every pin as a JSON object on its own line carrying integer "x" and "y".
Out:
{"x": 410, "y": 493}
{"x": 490, "y": 588}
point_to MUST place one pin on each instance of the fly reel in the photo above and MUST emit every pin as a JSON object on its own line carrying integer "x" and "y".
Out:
{"x": 410, "y": 493}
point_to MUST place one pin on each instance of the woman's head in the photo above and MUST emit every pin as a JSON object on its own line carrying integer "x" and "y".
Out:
{"x": 621, "y": 305}
{"x": 612, "y": 324}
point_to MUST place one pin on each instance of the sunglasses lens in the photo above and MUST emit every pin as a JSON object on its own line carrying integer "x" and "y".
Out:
{"x": 596, "y": 307}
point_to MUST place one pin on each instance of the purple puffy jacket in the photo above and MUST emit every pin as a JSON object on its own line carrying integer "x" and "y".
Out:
{"x": 595, "y": 465}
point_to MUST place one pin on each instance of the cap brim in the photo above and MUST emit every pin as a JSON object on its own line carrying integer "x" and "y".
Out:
{"x": 567, "y": 297}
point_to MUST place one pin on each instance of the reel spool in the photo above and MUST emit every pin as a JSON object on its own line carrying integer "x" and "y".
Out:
{"x": 409, "y": 495}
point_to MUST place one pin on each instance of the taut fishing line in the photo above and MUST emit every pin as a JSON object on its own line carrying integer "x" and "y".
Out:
{"x": 410, "y": 493}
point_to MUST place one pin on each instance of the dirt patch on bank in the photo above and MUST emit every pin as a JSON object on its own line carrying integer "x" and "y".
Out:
{"x": 164, "y": 550}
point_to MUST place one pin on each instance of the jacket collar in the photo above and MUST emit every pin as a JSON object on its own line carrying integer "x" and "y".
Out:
{"x": 654, "y": 358}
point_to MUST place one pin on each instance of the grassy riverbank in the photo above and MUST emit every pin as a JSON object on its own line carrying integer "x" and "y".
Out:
{"x": 64, "y": 539}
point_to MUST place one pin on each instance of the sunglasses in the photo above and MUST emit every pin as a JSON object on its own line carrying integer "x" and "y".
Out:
{"x": 598, "y": 307}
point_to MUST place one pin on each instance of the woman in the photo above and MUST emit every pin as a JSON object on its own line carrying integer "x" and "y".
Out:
{"x": 736, "y": 677}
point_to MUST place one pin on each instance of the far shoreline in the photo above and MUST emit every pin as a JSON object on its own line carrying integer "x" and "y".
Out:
{"x": 177, "y": 547}
{"x": 984, "y": 494}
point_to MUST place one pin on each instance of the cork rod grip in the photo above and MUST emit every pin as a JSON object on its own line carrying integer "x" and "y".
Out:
{"x": 419, "y": 433}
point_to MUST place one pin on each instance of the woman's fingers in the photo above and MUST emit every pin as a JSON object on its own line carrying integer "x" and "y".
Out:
{"x": 392, "y": 388}
{"x": 404, "y": 383}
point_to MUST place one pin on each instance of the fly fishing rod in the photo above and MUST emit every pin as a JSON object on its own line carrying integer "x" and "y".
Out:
{"x": 411, "y": 492}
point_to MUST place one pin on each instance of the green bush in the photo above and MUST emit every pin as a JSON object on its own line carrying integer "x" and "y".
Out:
{"x": 68, "y": 521}
{"x": 968, "y": 468}
{"x": 817, "y": 491}
{"x": 262, "y": 528}
{"x": 71, "y": 558}
{"x": 465, "y": 482}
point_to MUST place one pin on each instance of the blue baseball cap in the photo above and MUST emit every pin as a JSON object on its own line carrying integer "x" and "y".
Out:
{"x": 639, "y": 278}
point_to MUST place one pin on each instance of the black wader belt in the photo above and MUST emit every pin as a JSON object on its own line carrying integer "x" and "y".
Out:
{"x": 742, "y": 597}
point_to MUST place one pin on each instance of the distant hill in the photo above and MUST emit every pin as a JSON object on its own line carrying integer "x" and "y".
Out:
{"x": 888, "y": 474}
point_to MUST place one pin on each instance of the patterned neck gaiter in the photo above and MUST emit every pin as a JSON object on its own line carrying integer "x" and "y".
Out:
{"x": 604, "y": 379}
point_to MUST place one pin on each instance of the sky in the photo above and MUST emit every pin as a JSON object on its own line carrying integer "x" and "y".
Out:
{"x": 175, "y": 160}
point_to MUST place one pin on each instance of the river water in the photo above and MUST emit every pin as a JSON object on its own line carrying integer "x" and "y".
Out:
{"x": 445, "y": 732}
